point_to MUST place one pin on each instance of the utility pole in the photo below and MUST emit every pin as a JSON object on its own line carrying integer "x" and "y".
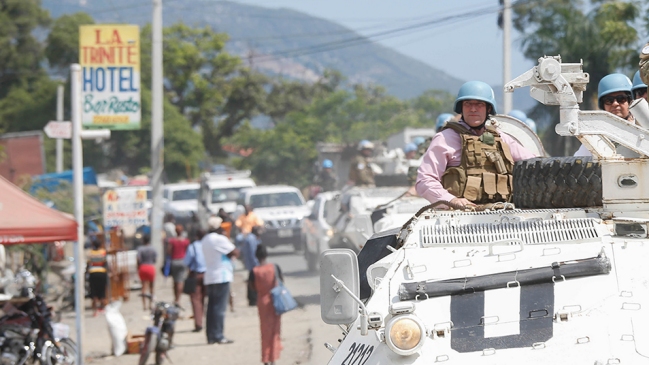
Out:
{"x": 157, "y": 130}
{"x": 77, "y": 184}
{"x": 77, "y": 187}
{"x": 507, "y": 27}
{"x": 59, "y": 118}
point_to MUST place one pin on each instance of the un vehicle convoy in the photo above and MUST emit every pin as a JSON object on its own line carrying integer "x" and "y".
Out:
{"x": 558, "y": 277}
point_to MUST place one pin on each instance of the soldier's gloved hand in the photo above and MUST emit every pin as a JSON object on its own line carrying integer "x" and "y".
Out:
{"x": 462, "y": 201}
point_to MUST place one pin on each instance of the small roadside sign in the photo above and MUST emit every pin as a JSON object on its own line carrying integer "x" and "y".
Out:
{"x": 55, "y": 129}
{"x": 125, "y": 207}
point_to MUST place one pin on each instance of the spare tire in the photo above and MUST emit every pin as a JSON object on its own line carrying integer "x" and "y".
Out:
{"x": 557, "y": 182}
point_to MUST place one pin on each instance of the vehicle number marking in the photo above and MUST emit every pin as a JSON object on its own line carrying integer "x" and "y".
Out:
{"x": 358, "y": 354}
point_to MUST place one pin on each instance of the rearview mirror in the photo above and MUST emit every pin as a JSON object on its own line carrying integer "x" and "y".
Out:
{"x": 336, "y": 305}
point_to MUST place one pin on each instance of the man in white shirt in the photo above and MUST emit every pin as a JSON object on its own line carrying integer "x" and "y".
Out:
{"x": 219, "y": 272}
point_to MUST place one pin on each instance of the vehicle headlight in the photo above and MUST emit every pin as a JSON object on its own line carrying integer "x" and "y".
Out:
{"x": 268, "y": 224}
{"x": 405, "y": 334}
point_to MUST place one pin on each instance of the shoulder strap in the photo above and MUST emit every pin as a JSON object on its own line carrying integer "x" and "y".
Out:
{"x": 278, "y": 281}
{"x": 457, "y": 127}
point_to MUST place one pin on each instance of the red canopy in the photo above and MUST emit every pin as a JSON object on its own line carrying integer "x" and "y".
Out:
{"x": 24, "y": 219}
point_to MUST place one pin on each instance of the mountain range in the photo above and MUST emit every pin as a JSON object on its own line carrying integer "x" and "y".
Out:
{"x": 284, "y": 42}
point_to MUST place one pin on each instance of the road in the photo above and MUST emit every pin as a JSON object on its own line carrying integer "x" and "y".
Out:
{"x": 303, "y": 332}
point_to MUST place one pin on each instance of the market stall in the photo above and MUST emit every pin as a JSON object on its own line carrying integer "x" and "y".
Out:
{"x": 24, "y": 219}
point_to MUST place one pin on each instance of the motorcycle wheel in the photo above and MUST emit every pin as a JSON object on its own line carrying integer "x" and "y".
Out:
{"x": 148, "y": 346}
{"x": 65, "y": 354}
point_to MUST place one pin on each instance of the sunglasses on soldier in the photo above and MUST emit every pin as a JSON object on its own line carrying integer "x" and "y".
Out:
{"x": 621, "y": 99}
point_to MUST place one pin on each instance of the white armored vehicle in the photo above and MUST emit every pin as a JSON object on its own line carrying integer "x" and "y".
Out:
{"x": 564, "y": 281}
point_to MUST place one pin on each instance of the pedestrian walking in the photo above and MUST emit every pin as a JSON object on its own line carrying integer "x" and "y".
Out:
{"x": 146, "y": 259}
{"x": 262, "y": 279}
{"x": 177, "y": 249}
{"x": 246, "y": 221}
{"x": 169, "y": 227}
{"x": 248, "y": 253}
{"x": 195, "y": 262}
{"x": 219, "y": 272}
{"x": 97, "y": 269}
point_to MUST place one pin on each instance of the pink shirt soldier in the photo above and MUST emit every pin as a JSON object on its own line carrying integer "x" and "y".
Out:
{"x": 475, "y": 102}
{"x": 446, "y": 150}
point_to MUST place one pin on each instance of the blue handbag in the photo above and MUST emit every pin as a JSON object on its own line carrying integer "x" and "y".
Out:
{"x": 283, "y": 301}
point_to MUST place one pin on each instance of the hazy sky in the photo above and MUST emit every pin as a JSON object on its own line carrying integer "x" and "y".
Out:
{"x": 467, "y": 45}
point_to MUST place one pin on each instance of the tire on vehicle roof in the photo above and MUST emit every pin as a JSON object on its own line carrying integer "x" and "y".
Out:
{"x": 557, "y": 182}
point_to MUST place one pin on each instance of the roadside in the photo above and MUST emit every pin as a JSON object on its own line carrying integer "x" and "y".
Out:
{"x": 303, "y": 332}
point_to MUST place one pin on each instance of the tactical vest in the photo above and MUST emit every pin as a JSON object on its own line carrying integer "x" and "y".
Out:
{"x": 360, "y": 171}
{"x": 485, "y": 171}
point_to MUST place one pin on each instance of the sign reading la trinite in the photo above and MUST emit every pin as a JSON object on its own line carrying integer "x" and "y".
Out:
{"x": 110, "y": 60}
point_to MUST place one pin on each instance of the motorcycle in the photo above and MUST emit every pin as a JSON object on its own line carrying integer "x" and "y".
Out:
{"x": 158, "y": 338}
{"x": 27, "y": 333}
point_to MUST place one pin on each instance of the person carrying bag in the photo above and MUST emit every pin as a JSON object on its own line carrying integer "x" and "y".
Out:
{"x": 264, "y": 279}
{"x": 283, "y": 301}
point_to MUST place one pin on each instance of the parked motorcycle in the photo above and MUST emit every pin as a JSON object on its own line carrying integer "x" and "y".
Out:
{"x": 27, "y": 333}
{"x": 158, "y": 338}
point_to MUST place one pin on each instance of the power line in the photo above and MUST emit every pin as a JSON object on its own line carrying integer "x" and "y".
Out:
{"x": 372, "y": 38}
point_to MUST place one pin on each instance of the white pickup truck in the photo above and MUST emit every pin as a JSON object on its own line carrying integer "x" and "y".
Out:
{"x": 282, "y": 209}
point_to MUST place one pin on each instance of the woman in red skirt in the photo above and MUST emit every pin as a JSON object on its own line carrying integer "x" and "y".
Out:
{"x": 146, "y": 259}
{"x": 262, "y": 279}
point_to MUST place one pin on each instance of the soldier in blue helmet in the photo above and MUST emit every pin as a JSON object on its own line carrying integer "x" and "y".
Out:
{"x": 639, "y": 88}
{"x": 467, "y": 162}
{"x": 441, "y": 121}
{"x": 418, "y": 140}
{"x": 410, "y": 150}
{"x": 614, "y": 94}
{"x": 326, "y": 178}
{"x": 360, "y": 171}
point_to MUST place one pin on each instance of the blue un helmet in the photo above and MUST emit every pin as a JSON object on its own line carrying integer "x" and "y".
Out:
{"x": 518, "y": 114}
{"x": 327, "y": 164}
{"x": 410, "y": 147}
{"x": 531, "y": 123}
{"x": 418, "y": 140}
{"x": 637, "y": 83}
{"x": 442, "y": 119}
{"x": 613, "y": 83}
{"x": 475, "y": 90}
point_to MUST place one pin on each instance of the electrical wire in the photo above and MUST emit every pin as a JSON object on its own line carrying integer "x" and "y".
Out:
{"x": 372, "y": 38}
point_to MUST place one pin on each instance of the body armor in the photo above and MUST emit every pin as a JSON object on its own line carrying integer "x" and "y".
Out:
{"x": 360, "y": 171}
{"x": 485, "y": 171}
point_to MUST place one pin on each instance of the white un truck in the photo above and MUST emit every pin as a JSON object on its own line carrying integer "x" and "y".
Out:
{"x": 561, "y": 278}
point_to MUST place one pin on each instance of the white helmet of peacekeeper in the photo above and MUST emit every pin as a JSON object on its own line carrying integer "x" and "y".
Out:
{"x": 365, "y": 145}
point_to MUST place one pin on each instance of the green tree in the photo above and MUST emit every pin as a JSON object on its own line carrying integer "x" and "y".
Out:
{"x": 62, "y": 48}
{"x": 206, "y": 84}
{"x": 20, "y": 51}
{"x": 28, "y": 108}
{"x": 599, "y": 32}
{"x": 286, "y": 153}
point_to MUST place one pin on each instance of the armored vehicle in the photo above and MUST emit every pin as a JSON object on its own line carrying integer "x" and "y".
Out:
{"x": 559, "y": 277}
{"x": 353, "y": 223}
